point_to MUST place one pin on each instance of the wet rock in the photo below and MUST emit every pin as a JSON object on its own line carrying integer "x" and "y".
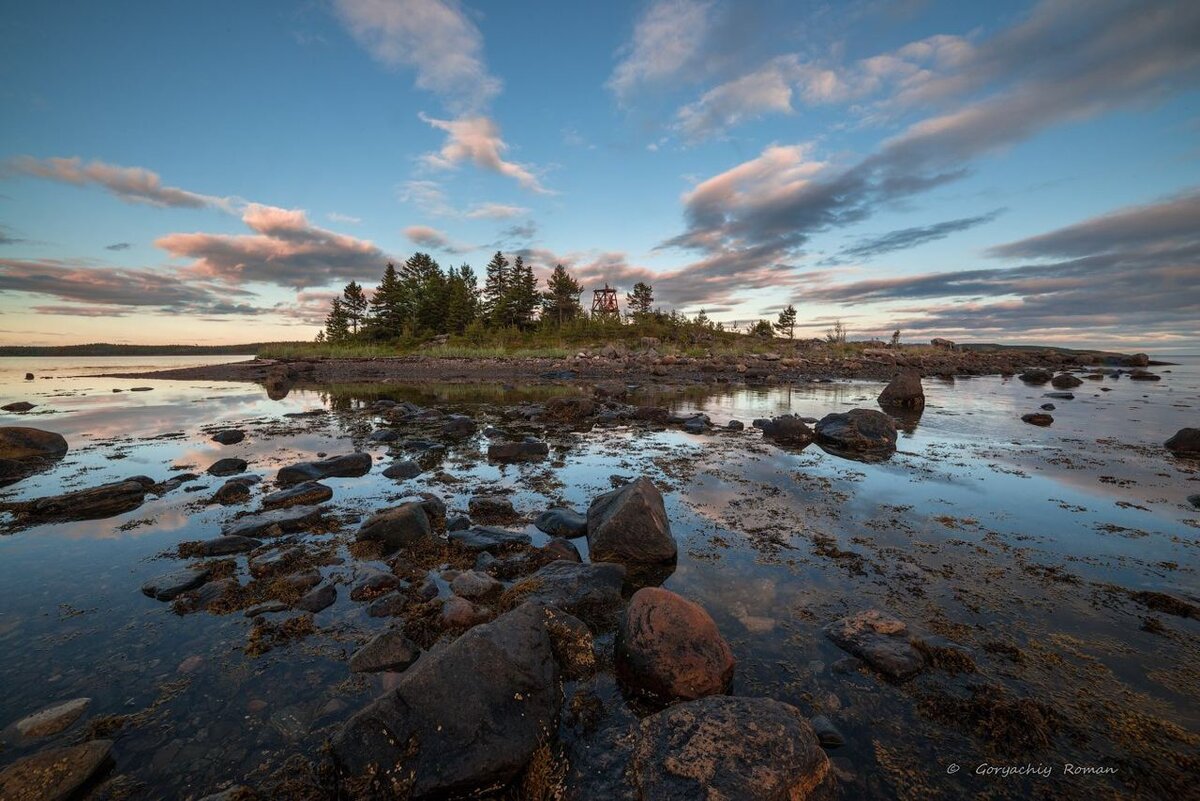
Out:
{"x": 400, "y": 527}
{"x": 904, "y": 391}
{"x": 239, "y": 792}
{"x": 53, "y": 719}
{"x": 1036, "y": 376}
{"x": 1037, "y": 419}
{"x": 736, "y": 425}
{"x": 141, "y": 389}
{"x": 29, "y": 376}
{"x": 1136, "y": 360}
{"x": 559, "y": 522}
{"x": 560, "y": 548}
{"x": 611, "y": 389}
{"x": 170, "y": 585}
{"x": 274, "y": 522}
{"x": 227, "y": 545}
{"x": 390, "y": 651}
{"x": 57, "y": 774}
{"x": 476, "y": 586}
{"x": 374, "y": 586}
{"x": 1064, "y": 381}
{"x": 95, "y": 503}
{"x": 317, "y": 599}
{"x": 266, "y": 607}
{"x": 629, "y": 525}
{"x": 1185, "y": 441}
{"x": 878, "y": 640}
{"x": 402, "y": 469}
{"x": 1144, "y": 375}
{"x": 227, "y": 467}
{"x": 466, "y": 717}
{"x": 19, "y": 406}
{"x": 275, "y": 560}
{"x": 1048, "y": 407}
{"x": 383, "y": 435}
{"x": 569, "y": 409}
{"x": 348, "y": 465}
{"x": 278, "y": 382}
{"x": 591, "y": 591}
{"x": 492, "y": 509}
{"x": 229, "y": 436}
{"x": 695, "y": 425}
{"x": 1060, "y": 395}
{"x": 203, "y": 596}
{"x": 17, "y": 442}
{"x": 458, "y": 426}
{"x": 527, "y": 450}
{"x": 458, "y": 523}
{"x": 232, "y": 492}
{"x": 490, "y": 539}
{"x": 668, "y": 648}
{"x": 858, "y": 431}
{"x": 459, "y": 613}
{"x": 827, "y": 734}
{"x": 651, "y": 414}
{"x": 390, "y": 605}
{"x": 309, "y": 493}
{"x": 1194, "y": 500}
{"x": 786, "y": 430}
{"x": 572, "y": 641}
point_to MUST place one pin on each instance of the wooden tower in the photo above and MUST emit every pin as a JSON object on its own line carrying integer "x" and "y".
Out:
{"x": 604, "y": 302}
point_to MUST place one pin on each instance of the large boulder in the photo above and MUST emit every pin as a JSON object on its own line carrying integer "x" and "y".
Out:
{"x": 19, "y": 442}
{"x": 1065, "y": 381}
{"x": 858, "y": 431}
{"x": 560, "y": 522}
{"x": 880, "y": 641}
{"x": 94, "y": 503}
{"x": 787, "y": 430}
{"x": 904, "y": 391}
{"x": 274, "y": 522}
{"x": 307, "y": 493}
{"x": 388, "y": 651}
{"x": 400, "y": 527}
{"x": 669, "y": 649}
{"x": 347, "y": 465}
{"x": 1185, "y": 441}
{"x": 229, "y": 466}
{"x": 57, "y": 774}
{"x": 526, "y": 450}
{"x": 490, "y": 539}
{"x": 464, "y": 718}
{"x": 591, "y": 591}
{"x": 1036, "y": 375}
{"x": 629, "y": 525}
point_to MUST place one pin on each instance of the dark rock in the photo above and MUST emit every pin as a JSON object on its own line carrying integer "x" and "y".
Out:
{"x": 266, "y": 607}
{"x": 492, "y": 509}
{"x": 695, "y": 425}
{"x": 458, "y": 523}
{"x": 736, "y": 425}
{"x": 458, "y": 426}
{"x": 858, "y": 431}
{"x": 275, "y": 522}
{"x": 459, "y": 613}
{"x": 1136, "y": 360}
{"x": 1144, "y": 375}
{"x": 227, "y": 467}
{"x": 1036, "y": 376}
{"x": 95, "y": 503}
{"x": 402, "y": 469}
{"x": 169, "y": 585}
{"x": 526, "y": 450}
{"x": 229, "y": 436}
{"x": 19, "y": 406}
{"x": 878, "y": 640}
{"x": 651, "y": 414}
{"x": 203, "y": 596}
{"x": 238, "y": 792}
{"x": 17, "y": 442}
{"x": 591, "y": 591}
{"x": 232, "y": 492}
{"x": 487, "y": 538}
{"x": 1059, "y": 395}
{"x": 1065, "y": 381}
{"x": 475, "y": 586}
{"x": 569, "y": 409}
{"x": 1048, "y": 407}
{"x": 224, "y": 546}
{"x": 348, "y": 465}
{"x": 141, "y": 389}
{"x": 629, "y": 525}
{"x": 904, "y": 391}
{"x": 561, "y": 548}
{"x": 52, "y": 719}
{"x": 827, "y": 734}
{"x": 786, "y": 430}
{"x": 275, "y": 560}
{"x": 1037, "y": 419}
{"x": 400, "y": 527}
{"x": 390, "y": 651}
{"x": 390, "y": 605}
{"x": 308, "y": 493}
{"x": 318, "y": 598}
{"x": 29, "y": 376}
{"x": 375, "y": 585}
{"x": 1194, "y": 500}
{"x": 1186, "y": 440}
{"x": 669, "y": 648}
{"x": 57, "y": 774}
{"x": 383, "y": 435}
{"x": 559, "y": 522}
{"x": 464, "y": 718}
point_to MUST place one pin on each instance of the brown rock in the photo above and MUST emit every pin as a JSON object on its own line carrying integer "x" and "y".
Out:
{"x": 56, "y": 774}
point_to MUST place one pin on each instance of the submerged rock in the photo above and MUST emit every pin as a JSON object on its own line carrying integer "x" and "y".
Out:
{"x": 487, "y": 538}
{"x": 170, "y": 585}
{"x": 274, "y": 522}
{"x": 18, "y": 442}
{"x": 491, "y": 509}
{"x": 559, "y": 522}
{"x": 227, "y": 467}
{"x": 526, "y": 450}
{"x": 347, "y": 465}
{"x": 56, "y": 774}
{"x": 227, "y": 545}
{"x": 858, "y": 431}
{"x": 390, "y": 651}
{"x": 668, "y": 648}
{"x": 904, "y": 391}
{"x": 629, "y": 525}
{"x": 1186, "y": 441}
{"x": 1037, "y": 419}
{"x": 569, "y": 409}
{"x": 402, "y": 469}
{"x": 95, "y": 503}
{"x": 309, "y": 493}
{"x": 229, "y": 436}
{"x": 53, "y": 719}
{"x": 1036, "y": 376}
{"x": 878, "y": 640}
{"x": 1065, "y": 381}
{"x": 787, "y": 430}
{"x": 400, "y": 527}
{"x": 19, "y": 406}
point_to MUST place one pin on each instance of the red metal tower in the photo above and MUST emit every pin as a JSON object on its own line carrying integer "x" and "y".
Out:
{"x": 604, "y": 302}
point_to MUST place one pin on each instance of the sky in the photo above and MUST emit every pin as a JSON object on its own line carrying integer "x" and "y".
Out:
{"x": 212, "y": 173}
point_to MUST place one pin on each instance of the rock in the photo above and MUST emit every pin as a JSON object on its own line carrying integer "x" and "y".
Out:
{"x": 224, "y": 546}
{"x": 695, "y": 425}
{"x": 1136, "y": 360}
{"x": 526, "y": 450}
{"x": 459, "y": 613}
{"x": 170, "y": 585}
{"x": 629, "y": 525}
{"x": 383, "y": 435}
{"x": 487, "y": 538}
{"x": 29, "y": 376}
{"x": 400, "y": 527}
{"x": 275, "y": 560}
{"x": 375, "y": 585}
{"x": 309, "y": 493}
{"x": 1064, "y": 381}
{"x": 227, "y": 467}
{"x": 669, "y": 649}
{"x": 229, "y": 436}
{"x": 591, "y": 591}
{"x": 19, "y": 406}
{"x": 348, "y": 465}
{"x": 232, "y": 492}
{"x": 938, "y": 342}
{"x": 458, "y": 523}
{"x": 1059, "y": 395}
{"x": 492, "y": 509}
{"x": 827, "y": 734}
{"x": 402, "y": 469}
{"x": 569, "y": 409}
{"x": 736, "y": 425}
{"x": 53, "y": 719}
{"x": 390, "y": 651}
{"x": 904, "y": 391}
{"x": 651, "y": 414}
{"x": 203, "y": 596}
{"x": 458, "y": 426}
{"x": 17, "y": 442}
{"x": 141, "y": 389}
{"x": 1186, "y": 441}
{"x": 878, "y": 640}
{"x": 389, "y": 605}
{"x": 56, "y": 774}
{"x": 560, "y": 522}
{"x": 858, "y": 431}
{"x": 1047, "y": 407}
{"x": 274, "y": 522}
{"x": 1037, "y": 419}
{"x": 1144, "y": 375}
{"x": 1194, "y": 500}
{"x": 611, "y": 389}
{"x": 238, "y": 792}
{"x": 1036, "y": 376}
{"x": 318, "y": 598}
{"x": 266, "y": 607}
{"x": 475, "y": 586}
{"x": 278, "y": 382}
{"x": 463, "y": 718}
{"x": 560, "y": 548}
{"x": 787, "y": 430}
{"x": 95, "y": 503}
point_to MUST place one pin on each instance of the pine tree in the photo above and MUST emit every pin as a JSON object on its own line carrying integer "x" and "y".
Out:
{"x": 762, "y": 328}
{"x": 337, "y": 323}
{"x": 389, "y": 306}
{"x": 640, "y": 300}
{"x": 425, "y": 285}
{"x": 560, "y": 301}
{"x": 354, "y": 303}
{"x": 786, "y": 324}
{"x": 522, "y": 299}
{"x": 462, "y": 299}
{"x": 495, "y": 288}
{"x": 702, "y": 320}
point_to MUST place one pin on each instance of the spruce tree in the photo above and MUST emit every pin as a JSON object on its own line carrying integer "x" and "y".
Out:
{"x": 495, "y": 289}
{"x": 462, "y": 299}
{"x": 337, "y": 323}
{"x": 522, "y": 299}
{"x": 787, "y": 322}
{"x": 388, "y": 306}
{"x": 561, "y": 298}
{"x": 354, "y": 303}
{"x": 641, "y": 299}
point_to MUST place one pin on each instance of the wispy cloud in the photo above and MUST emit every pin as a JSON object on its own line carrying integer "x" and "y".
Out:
{"x": 130, "y": 184}
{"x": 433, "y": 239}
{"x": 338, "y": 217}
{"x": 495, "y": 211}
{"x": 117, "y": 246}
{"x": 476, "y": 140}
{"x": 906, "y": 238}
{"x": 668, "y": 39}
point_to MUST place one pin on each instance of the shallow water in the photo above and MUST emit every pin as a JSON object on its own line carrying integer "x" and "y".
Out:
{"x": 981, "y": 528}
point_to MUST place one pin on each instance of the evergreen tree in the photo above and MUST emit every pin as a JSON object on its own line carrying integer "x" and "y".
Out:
{"x": 425, "y": 286}
{"x": 389, "y": 306}
{"x": 763, "y": 328}
{"x": 337, "y": 323}
{"x": 495, "y": 289}
{"x": 354, "y": 303}
{"x": 702, "y": 320}
{"x": 522, "y": 299}
{"x": 640, "y": 300}
{"x": 786, "y": 324}
{"x": 560, "y": 301}
{"x": 462, "y": 299}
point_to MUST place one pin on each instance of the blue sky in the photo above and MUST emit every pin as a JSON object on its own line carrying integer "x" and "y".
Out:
{"x": 212, "y": 172}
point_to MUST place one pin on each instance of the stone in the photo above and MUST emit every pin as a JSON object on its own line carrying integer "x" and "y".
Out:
{"x": 878, "y": 640}
{"x": 170, "y": 585}
{"x": 227, "y": 545}
{"x": 389, "y": 605}
{"x": 56, "y": 774}
{"x": 17, "y": 442}
{"x": 399, "y": 527}
{"x": 787, "y": 430}
{"x": 383, "y": 435}
{"x": 232, "y": 492}
{"x": 266, "y": 607}
{"x": 348, "y": 465}
{"x": 464, "y": 718}
{"x": 458, "y": 426}
{"x": 1047, "y": 407}
{"x": 318, "y": 598}
{"x": 105, "y": 500}
{"x": 402, "y": 469}
{"x": 1036, "y": 376}
{"x": 571, "y": 409}
{"x": 561, "y": 548}
{"x": 668, "y": 648}
{"x": 29, "y": 376}
{"x": 1194, "y": 500}
{"x": 492, "y": 509}
{"x": 227, "y": 467}
{"x": 1064, "y": 381}
{"x": 736, "y": 425}
{"x": 476, "y": 586}
{"x": 1136, "y": 360}
{"x": 560, "y": 522}
{"x": 274, "y": 522}
{"x": 229, "y": 436}
{"x": 487, "y": 538}
{"x": 53, "y": 719}
{"x": 238, "y": 792}
{"x": 1144, "y": 375}
{"x": 459, "y": 613}
{"x": 308, "y": 493}
{"x": 19, "y": 406}
{"x": 904, "y": 391}
{"x": 1059, "y": 395}
{"x": 858, "y": 431}
{"x": 629, "y": 525}
{"x": 524, "y": 451}
{"x": 1037, "y": 419}
{"x": 591, "y": 591}
{"x": 651, "y": 414}
{"x": 1185, "y": 441}
{"x": 275, "y": 560}
{"x": 695, "y": 425}
{"x": 828, "y": 734}
{"x": 203, "y": 596}
{"x": 374, "y": 585}
{"x": 389, "y": 651}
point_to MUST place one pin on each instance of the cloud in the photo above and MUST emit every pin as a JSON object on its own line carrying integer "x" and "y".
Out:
{"x": 130, "y": 184}
{"x": 433, "y": 239}
{"x": 434, "y": 37}
{"x": 668, "y": 39}
{"x": 285, "y": 249}
{"x": 335, "y": 216}
{"x": 495, "y": 211}
{"x": 477, "y": 140}
{"x": 309, "y": 308}
{"x": 118, "y": 246}
{"x": 7, "y": 238}
{"x": 905, "y": 238}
